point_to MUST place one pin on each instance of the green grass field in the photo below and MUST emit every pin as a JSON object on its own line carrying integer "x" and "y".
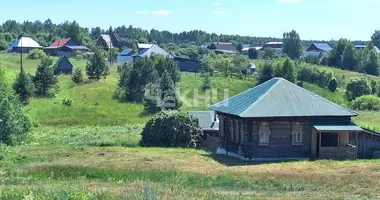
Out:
{"x": 91, "y": 151}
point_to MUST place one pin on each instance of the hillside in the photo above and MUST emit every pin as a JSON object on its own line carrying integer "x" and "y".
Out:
{"x": 93, "y": 103}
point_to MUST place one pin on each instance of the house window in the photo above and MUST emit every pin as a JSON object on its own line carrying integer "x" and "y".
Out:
{"x": 297, "y": 133}
{"x": 264, "y": 134}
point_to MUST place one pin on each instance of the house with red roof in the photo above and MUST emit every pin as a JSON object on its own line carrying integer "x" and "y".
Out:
{"x": 65, "y": 47}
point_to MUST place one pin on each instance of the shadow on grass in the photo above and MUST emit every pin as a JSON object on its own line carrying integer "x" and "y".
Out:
{"x": 231, "y": 161}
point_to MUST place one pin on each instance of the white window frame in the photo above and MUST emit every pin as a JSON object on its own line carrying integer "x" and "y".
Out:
{"x": 297, "y": 133}
{"x": 264, "y": 134}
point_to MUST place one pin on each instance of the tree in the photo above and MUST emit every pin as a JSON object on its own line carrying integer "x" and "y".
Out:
{"x": 292, "y": 44}
{"x": 372, "y": 66}
{"x": 223, "y": 64}
{"x": 376, "y": 38}
{"x": 288, "y": 70}
{"x": 266, "y": 72}
{"x": 44, "y": 78}
{"x": 23, "y": 86}
{"x": 333, "y": 85}
{"x": 375, "y": 87}
{"x": 97, "y": 67}
{"x": 169, "y": 98}
{"x": 77, "y": 76}
{"x": 206, "y": 83}
{"x": 269, "y": 53}
{"x": 336, "y": 53}
{"x": 239, "y": 46}
{"x": 142, "y": 73}
{"x": 357, "y": 87}
{"x": 208, "y": 65}
{"x": 114, "y": 52}
{"x": 253, "y": 53}
{"x": 171, "y": 129}
{"x": 349, "y": 60}
{"x": 13, "y": 120}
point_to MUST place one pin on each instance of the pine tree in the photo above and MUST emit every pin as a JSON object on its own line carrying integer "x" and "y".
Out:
{"x": 97, "y": 67}
{"x": 266, "y": 72}
{"x": 374, "y": 87}
{"x": 333, "y": 84}
{"x": 44, "y": 78}
{"x": 23, "y": 86}
{"x": 77, "y": 76}
{"x": 169, "y": 98}
{"x": 206, "y": 83}
{"x": 288, "y": 70}
{"x": 349, "y": 60}
{"x": 12, "y": 117}
{"x": 372, "y": 66}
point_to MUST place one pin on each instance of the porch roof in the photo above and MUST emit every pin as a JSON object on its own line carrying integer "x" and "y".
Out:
{"x": 337, "y": 126}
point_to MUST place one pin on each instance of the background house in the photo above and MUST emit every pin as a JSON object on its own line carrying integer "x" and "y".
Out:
{"x": 125, "y": 56}
{"x": 277, "y": 46}
{"x": 63, "y": 65}
{"x": 24, "y": 45}
{"x": 280, "y": 120}
{"x": 148, "y": 50}
{"x": 188, "y": 65}
{"x": 319, "y": 47}
{"x": 109, "y": 41}
{"x": 65, "y": 47}
{"x": 360, "y": 47}
{"x": 223, "y": 48}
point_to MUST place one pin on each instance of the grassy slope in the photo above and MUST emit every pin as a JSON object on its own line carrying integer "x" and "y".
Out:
{"x": 131, "y": 173}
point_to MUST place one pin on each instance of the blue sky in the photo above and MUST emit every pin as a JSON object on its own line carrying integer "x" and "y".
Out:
{"x": 313, "y": 19}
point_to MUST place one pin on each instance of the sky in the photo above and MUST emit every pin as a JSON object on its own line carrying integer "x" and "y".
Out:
{"x": 312, "y": 19}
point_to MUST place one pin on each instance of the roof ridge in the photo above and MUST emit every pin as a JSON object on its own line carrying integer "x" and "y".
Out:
{"x": 278, "y": 80}
{"x": 322, "y": 98}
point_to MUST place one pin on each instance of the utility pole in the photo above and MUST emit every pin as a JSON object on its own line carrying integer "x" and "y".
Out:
{"x": 21, "y": 54}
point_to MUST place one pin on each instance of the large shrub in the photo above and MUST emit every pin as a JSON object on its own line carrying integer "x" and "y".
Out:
{"x": 357, "y": 87}
{"x": 171, "y": 129}
{"x": 333, "y": 84}
{"x": 12, "y": 117}
{"x": 315, "y": 75}
{"x": 366, "y": 102}
{"x": 36, "y": 54}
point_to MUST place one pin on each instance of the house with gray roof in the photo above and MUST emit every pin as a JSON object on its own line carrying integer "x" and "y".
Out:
{"x": 319, "y": 47}
{"x": 152, "y": 50}
{"x": 223, "y": 48}
{"x": 208, "y": 121}
{"x": 23, "y": 45}
{"x": 360, "y": 47}
{"x": 278, "y": 120}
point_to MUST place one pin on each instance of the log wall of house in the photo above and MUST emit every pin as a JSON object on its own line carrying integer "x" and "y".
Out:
{"x": 367, "y": 143}
{"x": 247, "y": 144}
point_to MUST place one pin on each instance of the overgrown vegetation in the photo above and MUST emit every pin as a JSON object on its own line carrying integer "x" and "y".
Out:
{"x": 171, "y": 129}
{"x": 36, "y": 54}
{"x": 366, "y": 102}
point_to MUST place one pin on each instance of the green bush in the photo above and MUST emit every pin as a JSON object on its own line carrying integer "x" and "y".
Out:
{"x": 312, "y": 74}
{"x": 77, "y": 76}
{"x": 171, "y": 129}
{"x": 206, "y": 83}
{"x": 36, "y": 54}
{"x": 366, "y": 102}
{"x": 333, "y": 84}
{"x": 357, "y": 87}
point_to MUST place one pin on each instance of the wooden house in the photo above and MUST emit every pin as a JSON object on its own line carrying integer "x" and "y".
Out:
{"x": 109, "y": 41}
{"x": 319, "y": 47}
{"x": 208, "y": 121}
{"x": 279, "y": 120}
{"x": 65, "y": 47}
{"x": 63, "y": 65}
{"x": 23, "y": 45}
{"x": 223, "y": 48}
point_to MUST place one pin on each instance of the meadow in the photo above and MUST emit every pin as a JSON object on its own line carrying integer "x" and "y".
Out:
{"x": 91, "y": 151}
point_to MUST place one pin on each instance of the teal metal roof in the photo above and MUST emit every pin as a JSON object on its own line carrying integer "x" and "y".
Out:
{"x": 206, "y": 119}
{"x": 336, "y": 126}
{"x": 279, "y": 98}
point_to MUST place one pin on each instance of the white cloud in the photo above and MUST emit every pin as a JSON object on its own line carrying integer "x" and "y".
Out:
{"x": 160, "y": 12}
{"x": 217, "y": 4}
{"x": 142, "y": 12}
{"x": 219, "y": 12}
{"x": 289, "y": 1}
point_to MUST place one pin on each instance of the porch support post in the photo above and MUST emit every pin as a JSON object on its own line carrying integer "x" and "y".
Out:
{"x": 320, "y": 144}
{"x": 356, "y": 145}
